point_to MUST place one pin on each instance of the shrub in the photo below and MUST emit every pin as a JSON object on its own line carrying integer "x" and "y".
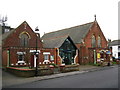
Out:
{"x": 113, "y": 62}
{"x": 53, "y": 64}
{"x": 97, "y": 64}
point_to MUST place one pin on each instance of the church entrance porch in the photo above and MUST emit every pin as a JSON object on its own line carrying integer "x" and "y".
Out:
{"x": 100, "y": 55}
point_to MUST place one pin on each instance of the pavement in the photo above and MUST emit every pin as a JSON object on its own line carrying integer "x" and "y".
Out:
{"x": 11, "y": 80}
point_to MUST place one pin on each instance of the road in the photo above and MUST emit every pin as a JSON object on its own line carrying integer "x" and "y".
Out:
{"x": 106, "y": 78}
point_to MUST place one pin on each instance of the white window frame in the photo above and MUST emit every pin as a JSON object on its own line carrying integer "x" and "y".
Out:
{"x": 21, "y": 53}
{"x": 52, "y": 57}
{"x": 46, "y": 53}
{"x": 46, "y": 57}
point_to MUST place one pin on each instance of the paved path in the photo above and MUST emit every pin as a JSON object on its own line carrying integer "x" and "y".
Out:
{"x": 9, "y": 79}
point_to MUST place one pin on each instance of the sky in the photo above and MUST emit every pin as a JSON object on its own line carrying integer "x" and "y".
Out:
{"x": 53, "y": 15}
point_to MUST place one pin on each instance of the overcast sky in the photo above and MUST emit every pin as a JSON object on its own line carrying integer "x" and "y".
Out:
{"x": 52, "y": 15}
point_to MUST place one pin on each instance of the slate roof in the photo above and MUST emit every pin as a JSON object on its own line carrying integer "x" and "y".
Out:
{"x": 5, "y": 35}
{"x": 56, "y": 38}
{"x": 54, "y": 42}
{"x": 114, "y": 43}
{"x": 76, "y": 33}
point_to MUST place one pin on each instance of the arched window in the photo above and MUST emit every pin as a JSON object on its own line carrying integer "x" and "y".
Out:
{"x": 99, "y": 41}
{"x": 93, "y": 41}
{"x": 24, "y": 39}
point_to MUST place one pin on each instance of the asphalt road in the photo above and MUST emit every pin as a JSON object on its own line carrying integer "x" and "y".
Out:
{"x": 107, "y": 78}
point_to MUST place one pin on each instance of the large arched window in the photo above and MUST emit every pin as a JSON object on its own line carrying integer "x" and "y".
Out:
{"x": 99, "y": 41}
{"x": 93, "y": 41}
{"x": 24, "y": 39}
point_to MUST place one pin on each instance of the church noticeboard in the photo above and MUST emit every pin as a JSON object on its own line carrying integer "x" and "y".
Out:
{"x": 98, "y": 55}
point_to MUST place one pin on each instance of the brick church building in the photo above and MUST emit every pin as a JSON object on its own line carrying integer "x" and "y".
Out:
{"x": 88, "y": 38}
{"x": 81, "y": 44}
{"x": 19, "y": 46}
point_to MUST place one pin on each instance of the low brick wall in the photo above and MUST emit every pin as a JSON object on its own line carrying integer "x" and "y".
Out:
{"x": 21, "y": 72}
{"x": 46, "y": 71}
{"x": 69, "y": 68}
{"x": 42, "y": 71}
{"x": 117, "y": 61}
{"x": 28, "y": 72}
{"x": 55, "y": 70}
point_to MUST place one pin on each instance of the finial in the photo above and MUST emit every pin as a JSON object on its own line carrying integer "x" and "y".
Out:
{"x": 95, "y": 17}
{"x": 25, "y": 25}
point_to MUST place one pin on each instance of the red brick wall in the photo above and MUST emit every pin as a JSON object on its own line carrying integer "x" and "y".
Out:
{"x": 51, "y": 51}
{"x": 57, "y": 58}
{"x": 14, "y": 40}
{"x": 14, "y": 56}
{"x": 83, "y": 47}
{"x": 4, "y": 58}
{"x": 95, "y": 29}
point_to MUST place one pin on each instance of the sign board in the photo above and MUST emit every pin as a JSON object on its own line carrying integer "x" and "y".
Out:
{"x": 108, "y": 52}
{"x": 98, "y": 55}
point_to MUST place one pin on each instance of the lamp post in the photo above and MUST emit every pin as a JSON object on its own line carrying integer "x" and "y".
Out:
{"x": 94, "y": 56}
{"x": 36, "y": 53}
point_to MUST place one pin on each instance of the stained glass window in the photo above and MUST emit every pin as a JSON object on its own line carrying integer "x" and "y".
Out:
{"x": 93, "y": 41}
{"x": 99, "y": 41}
{"x": 24, "y": 39}
{"x": 67, "y": 52}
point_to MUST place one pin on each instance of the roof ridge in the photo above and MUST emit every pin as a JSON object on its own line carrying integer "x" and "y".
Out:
{"x": 68, "y": 28}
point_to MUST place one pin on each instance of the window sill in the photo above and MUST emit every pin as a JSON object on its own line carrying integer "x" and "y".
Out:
{"x": 21, "y": 62}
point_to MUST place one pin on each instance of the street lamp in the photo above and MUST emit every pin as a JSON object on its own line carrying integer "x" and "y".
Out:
{"x": 94, "y": 56}
{"x": 36, "y": 53}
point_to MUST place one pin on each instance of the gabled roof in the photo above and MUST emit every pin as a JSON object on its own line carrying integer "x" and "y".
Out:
{"x": 114, "y": 43}
{"x": 76, "y": 33}
{"x": 5, "y": 35}
{"x": 54, "y": 42}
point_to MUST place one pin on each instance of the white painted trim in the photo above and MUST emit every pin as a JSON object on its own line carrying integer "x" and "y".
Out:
{"x": 46, "y": 61}
{"x": 34, "y": 60}
{"x": 21, "y": 53}
{"x": 75, "y": 56}
{"x": 59, "y": 56}
{"x": 46, "y": 52}
{"x": 21, "y": 62}
{"x": 12, "y": 64}
{"x": 63, "y": 64}
{"x": 35, "y": 51}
